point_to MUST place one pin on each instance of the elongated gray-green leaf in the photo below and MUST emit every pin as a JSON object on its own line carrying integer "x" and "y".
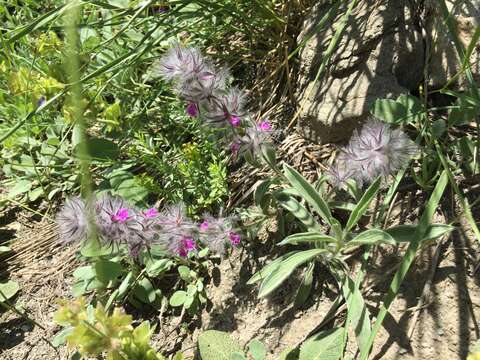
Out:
{"x": 362, "y": 205}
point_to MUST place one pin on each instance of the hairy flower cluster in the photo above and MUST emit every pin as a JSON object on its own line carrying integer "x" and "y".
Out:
{"x": 117, "y": 223}
{"x": 377, "y": 150}
{"x": 207, "y": 93}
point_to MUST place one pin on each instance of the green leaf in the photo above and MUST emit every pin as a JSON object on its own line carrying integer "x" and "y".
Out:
{"x": 145, "y": 291}
{"x": 307, "y": 237}
{"x": 404, "y": 233}
{"x": 184, "y": 272}
{"x": 327, "y": 345}
{"x": 268, "y": 269}
{"x": 156, "y": 267}
{"x": 388, "y": 110}
{"x": 363, "y": 204}
{"x": 178, "y": 298}
{"x": 93, "y": 248}
{"x": 238, "y": 356}
{"x": 305, "y": 286}
{"x": 257, "y": 349}
{"x": 130, "y": 190}
{"x": 372, "y": 237}
{"x": 285, "y": 269}
{"x": 8, "y": 290}
{"x": 84, "y": 273}
{"x": 217, "y": 345}
{"x": 308, "y": 192}
{"x": 107, "y": 271}
{"x": 358, "y": 315}
{"x": 438, "y": 128}
{"x": 61, "y": 337}
{"x": 298, "y": 210}
{"x": 125, "y": 285}
{"x": 97, "y": 149}
{"x": 21, "y": 187}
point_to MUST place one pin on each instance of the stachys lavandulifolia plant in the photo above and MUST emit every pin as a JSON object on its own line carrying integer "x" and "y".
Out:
{"x": 119, "y": 224}
{"x": 377, "y": 150}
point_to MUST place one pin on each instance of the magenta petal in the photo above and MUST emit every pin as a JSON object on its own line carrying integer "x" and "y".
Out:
{"x": 150, "y": 213}
{"x": 204, "y": 225}
{"x": 265, "y": 126}
{"x": 192, "y": 109}
{"x": 234, "y": 238}
{"x": 235, "y": 121}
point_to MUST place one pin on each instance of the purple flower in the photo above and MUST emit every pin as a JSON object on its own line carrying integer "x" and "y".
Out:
{"x": 41, "y": 101}
{"x": 235, "y": 146}
{"x": 377, "y": 150}
{"x": 180, "y": 63}
{"x": 192, "y": 109}
{"x": 265, "y": 126}
{"x": 204, "y": 225}
{"x": 72, "y": 221}
{"x": 220, "y": 110}
{"x": 117, "y": 222}
{"x": 120, "y": 216}
{"x": 174, "y": 227}
{"x": 234, "y": 238}
{"x": 217, "y": 235}
{"x": 235, "y": 121}
{"x": 186, "y": 245}
{"x": 150, "y": 213}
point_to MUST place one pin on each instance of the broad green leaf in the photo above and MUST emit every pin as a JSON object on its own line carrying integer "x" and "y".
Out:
{"x": 60, "y": 338}
{"x": 92, "y": 248}
{"x": 107, "y": 271}
{"x": 305, "y": 286}
{"x": 404, "y": 233}
{"x": 298, "y": 210}
{"x": 257, "y": 349}
{"x": 97, "y": 149}
{"x": 84, "y": 273}
{"x": 438, "y": 128}
{"x": 307, "y": 237}
{"x": 363, "y": 204}
{"x": 285, "y": 269}
{"x": 217, "y": 345}
{"x": 184, "y": 272}
{"x": 178, "y": 298}
{"x": 308, "y": 192}
{"x": 21, "y": 187}
{"x": 372, "y": 237}
{"x": 145, "y": 291}
{"x": 125, "y": 284}
{"x": 156, "y": 267}
{"x": 358, "y": 314}
{"x": 326, "y": 345}
{"x": 238, "y": 356}
{"x": 8, "y": 290}
{"x": 388, "y": 110}
{"x": 268, "y": 269}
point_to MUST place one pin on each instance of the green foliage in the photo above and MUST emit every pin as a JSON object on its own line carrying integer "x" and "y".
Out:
{"x": 94, "y": 332}
{"x": 8, "y": 290}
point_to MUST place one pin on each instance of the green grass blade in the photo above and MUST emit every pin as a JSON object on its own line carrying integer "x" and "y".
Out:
{"x": 419, "y": 234}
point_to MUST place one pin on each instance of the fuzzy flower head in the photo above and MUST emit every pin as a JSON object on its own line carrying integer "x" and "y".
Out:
{"x": 174, "y": 227}
{"x": 180, "y": 63}
{"x": 192, "y": 109}
{"x": 220, "y": 111}
{"x": 150, "y": 213}
{"x": 72, "y": 221}
{"x": 217, "y": 233}
{"x": 203, "y": 86}
{"x": 185, "y": 245}
{"x": 255, "y": 138}
{"x": 117, "y": 222}
{"x": 377, "y": 150}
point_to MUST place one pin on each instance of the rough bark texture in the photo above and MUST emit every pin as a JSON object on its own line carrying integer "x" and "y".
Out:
{"x": 380, "y": 55}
